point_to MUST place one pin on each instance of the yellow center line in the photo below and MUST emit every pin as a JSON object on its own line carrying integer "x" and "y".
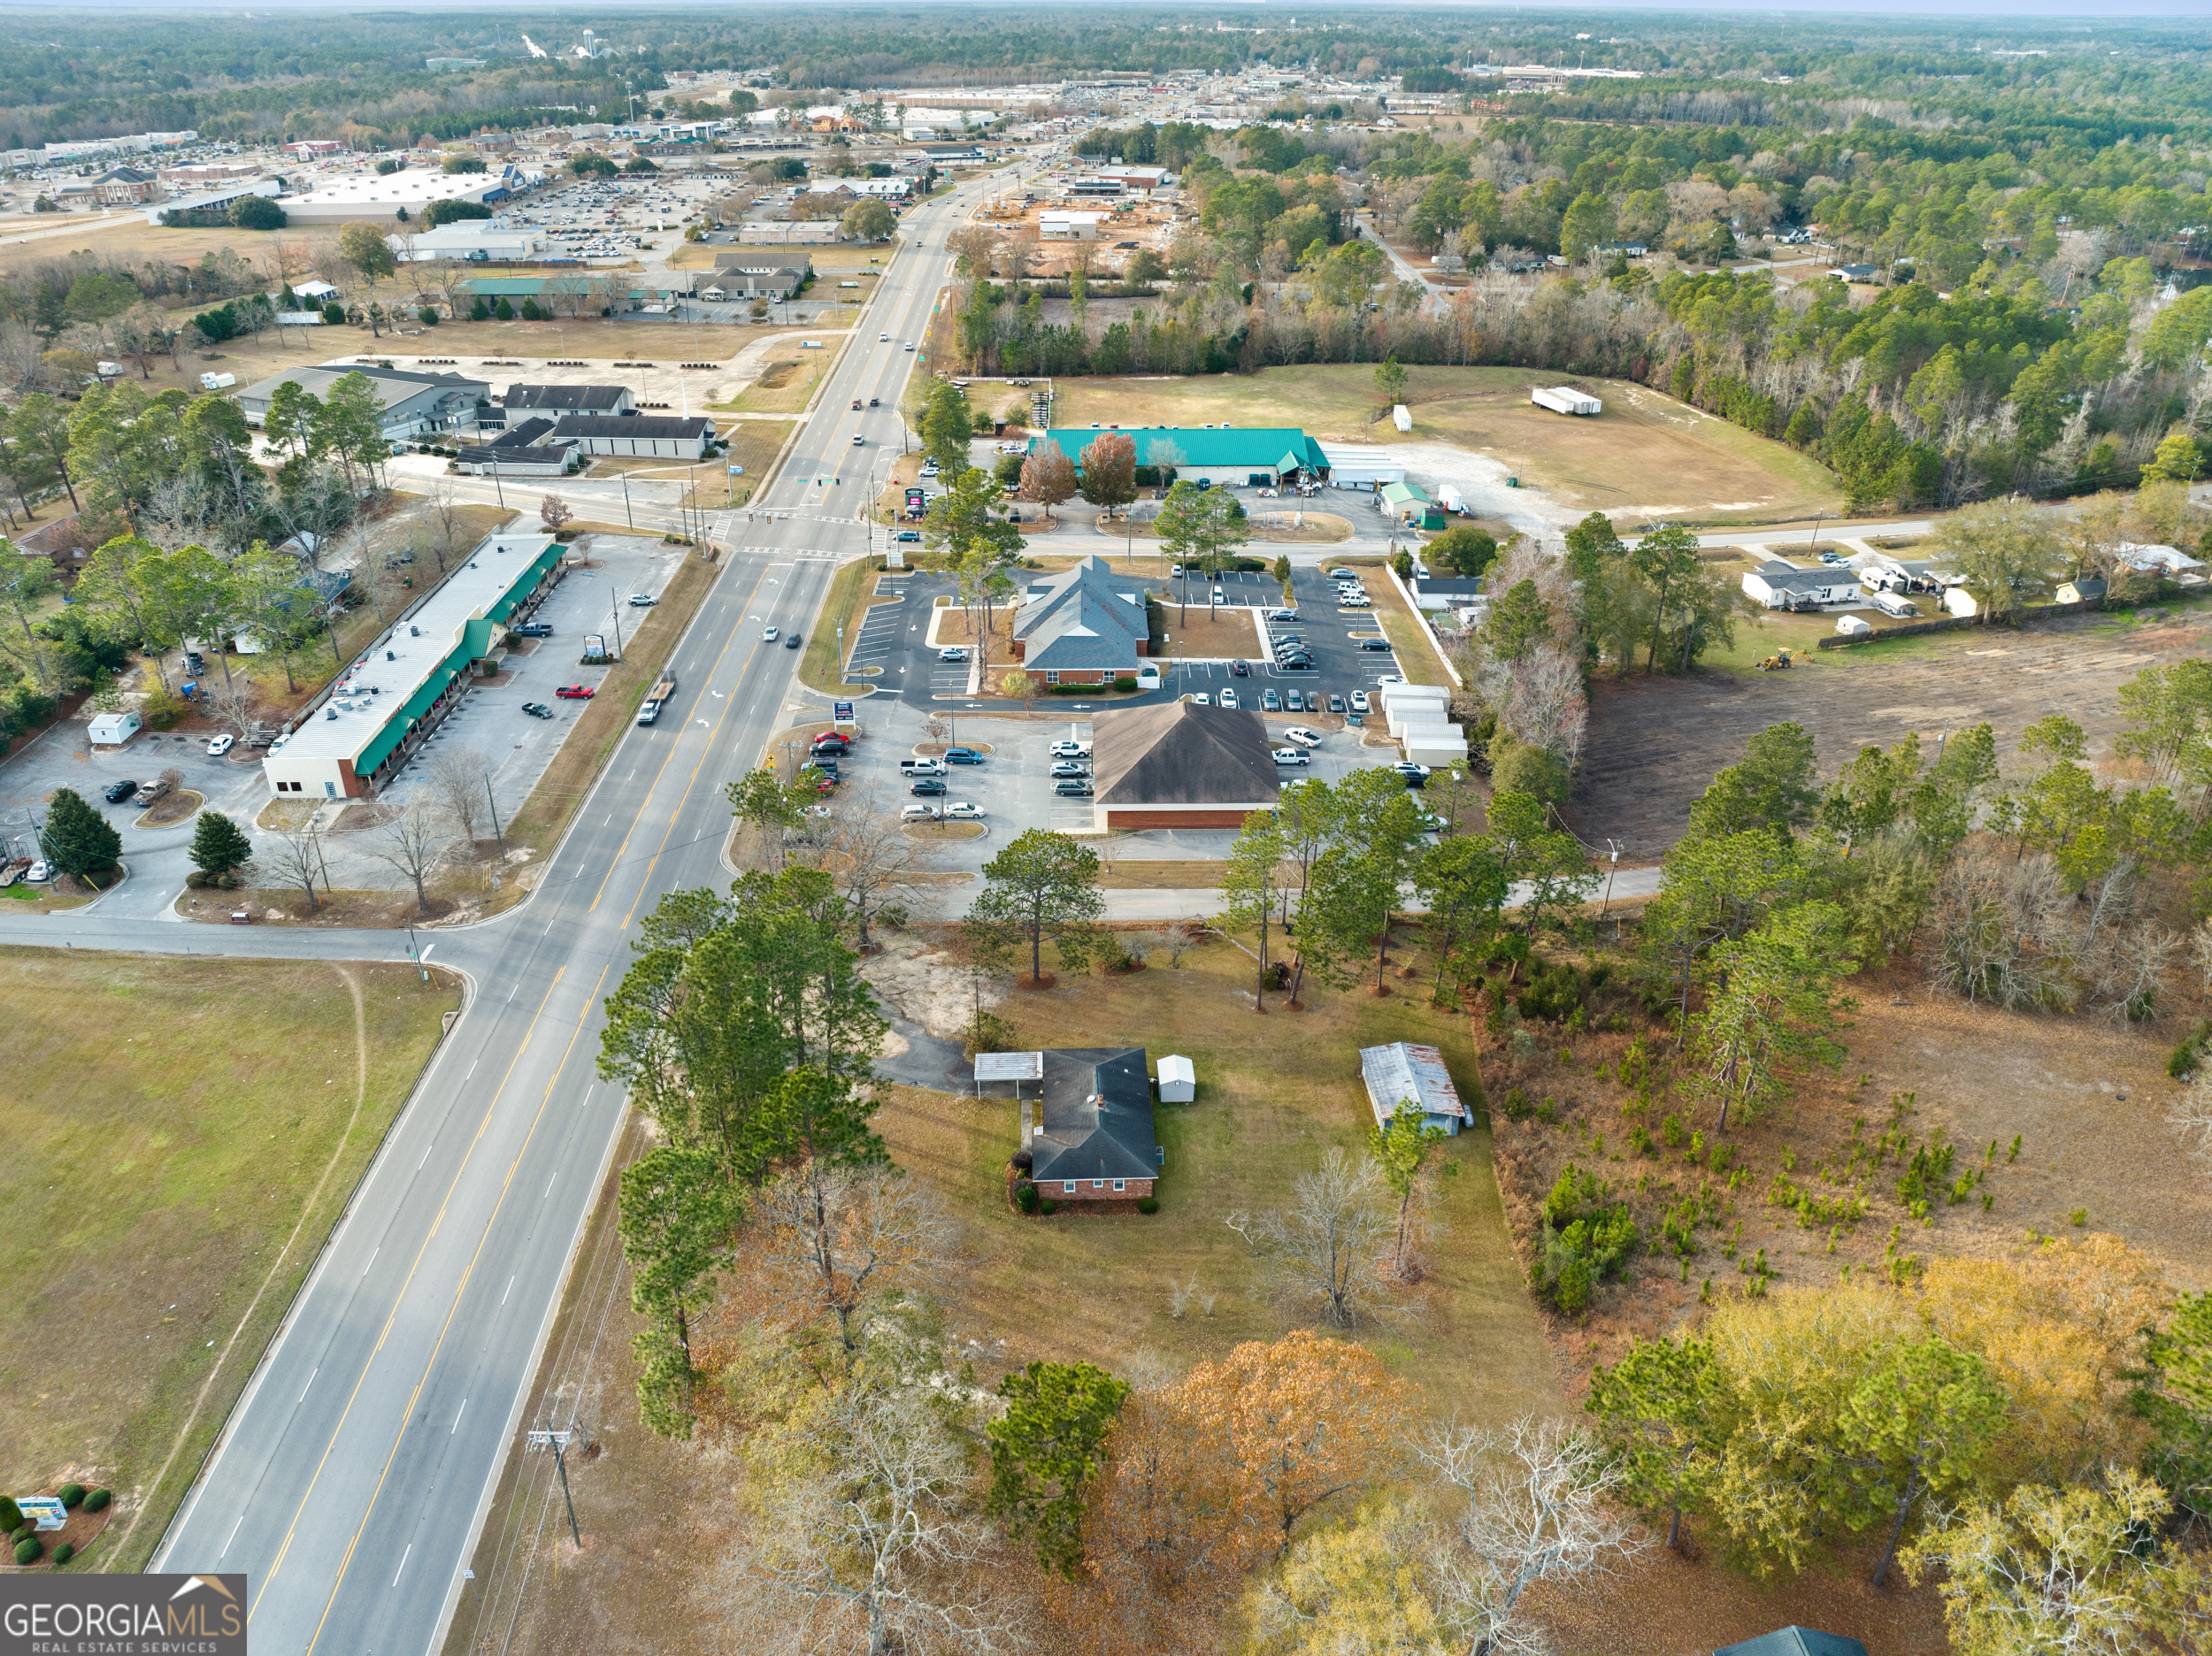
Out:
{"x": 407, "y": 1415}
{"x": 692, "y": 781}
{"x": 615, "y": 861}
{"x": 292, "y": 1528}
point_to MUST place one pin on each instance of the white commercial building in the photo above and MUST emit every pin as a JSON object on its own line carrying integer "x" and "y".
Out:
{"x": 382, "y": 196}
{"x": 384, "y": 705}
{"x": 473, "y": 239}
{"x": 1069, "y": 227}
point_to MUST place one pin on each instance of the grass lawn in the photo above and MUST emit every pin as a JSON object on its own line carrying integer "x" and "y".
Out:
{"x": 1418, "y": 660}
{"x": 852, "y": 590}
{"x": 1646, "y": 457}
{"x": 185, "y": 1134}
{"x": 1273, "y": 1094}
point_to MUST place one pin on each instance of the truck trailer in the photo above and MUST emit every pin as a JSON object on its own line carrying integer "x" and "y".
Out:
{"x": 1565, "y": 400}
{"x": 657, "y": 698}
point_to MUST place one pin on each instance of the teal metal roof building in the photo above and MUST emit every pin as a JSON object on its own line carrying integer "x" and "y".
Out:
{"x": 381, "y": 708}
{"x": 1232, "y": 455}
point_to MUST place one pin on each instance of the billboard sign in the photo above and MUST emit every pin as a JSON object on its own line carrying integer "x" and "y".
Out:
{"x": 45, "y": 1511}
{"x": 594, "y": 643}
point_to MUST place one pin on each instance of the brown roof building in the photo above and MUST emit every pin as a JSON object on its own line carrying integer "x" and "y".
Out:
{"x": 1181, "y": 765}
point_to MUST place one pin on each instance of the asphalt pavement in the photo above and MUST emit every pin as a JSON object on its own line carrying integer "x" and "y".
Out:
{"x": 350, "y": 1481}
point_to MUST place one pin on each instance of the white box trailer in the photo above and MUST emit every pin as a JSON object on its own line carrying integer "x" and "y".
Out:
{"x": 1438, "y": 753}
{"x": 1565, "y": 400}
{"x": 114, "y": 730}
{"x": 1450, "y": 498}
{"x": 218, "y": 381}
{"x": 1395, "y": 696}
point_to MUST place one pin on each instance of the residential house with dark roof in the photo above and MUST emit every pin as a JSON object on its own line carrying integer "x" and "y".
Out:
{"x": 1080, "y": 628}
{"x": 1795, "y": 1641}
{"x": 667, "y": 437}
{"x": 1092, "y": 1139}
{"x": 1179, "y": 765}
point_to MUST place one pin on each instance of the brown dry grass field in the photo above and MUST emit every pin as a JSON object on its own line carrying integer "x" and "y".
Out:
{"x": 185, "y": 1134}
{"x": 1654, "y": 742}
{"x": 1646, "y": 455}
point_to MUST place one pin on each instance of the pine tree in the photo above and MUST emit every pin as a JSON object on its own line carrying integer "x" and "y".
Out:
{"x": 219, "y": 845}
{"x": 76, "y": 839}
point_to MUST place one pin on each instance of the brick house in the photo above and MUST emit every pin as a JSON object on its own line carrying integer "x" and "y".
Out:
{"x": 1092, "y": 1137}
{"x": 1179, "y": 765}
{"x": 1079, "y": 628}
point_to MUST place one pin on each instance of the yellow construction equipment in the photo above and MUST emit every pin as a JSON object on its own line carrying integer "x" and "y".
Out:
{"x": 1779, "y": 661}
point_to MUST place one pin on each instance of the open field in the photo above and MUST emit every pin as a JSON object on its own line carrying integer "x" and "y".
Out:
{"x": 187, "y": 1132}
{"x": 1646, "y": 457}
{"x": 1654, "y": 742}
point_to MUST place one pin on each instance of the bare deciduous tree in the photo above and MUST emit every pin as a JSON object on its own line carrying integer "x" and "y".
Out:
{"x": 297, "y": 860}
{"x": 1321, "y": 1250}
{"x": 443, "y": 508}
{"x": 869, "y": 1540}
{"x": 1539, "y": 1499}
{"x": 456, "y": 779}
{"x": 829, "y": 1245}
{"x": 412, "y": 842}
{"x": 865, "y": 849}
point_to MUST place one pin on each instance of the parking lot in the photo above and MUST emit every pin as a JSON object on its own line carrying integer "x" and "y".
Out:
{"x": 489, "y": 722}
{"x": 1014, "y": 785}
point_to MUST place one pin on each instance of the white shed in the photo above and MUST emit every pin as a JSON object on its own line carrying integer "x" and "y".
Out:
{"x": 114, "y": 730}
{"x": 1959, "y": 602}
{"x": 1854, "y": 626}
{"x": 1179, "y": 1082}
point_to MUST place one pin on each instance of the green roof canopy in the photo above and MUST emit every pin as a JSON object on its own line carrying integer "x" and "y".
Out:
{"x": 1220, "y": 448}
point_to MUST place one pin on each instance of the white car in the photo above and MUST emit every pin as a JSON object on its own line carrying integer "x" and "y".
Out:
{"x": 1303, "y": 737}
{"x": 1228, "y": 698}
{"x": 1359, "y": 702}
{"x": 768, "y": 635}
{"x": 1070, "y": 750}
{"x": 952, "y": 653}
{"x": 39, "y": 872}
{"x": 643, "y": 600}
{"x": 909, "y": 344}
{"x": 1293, "y": 756}
{"x": 929, "y": 469}
{"x": 220, "y": 746}
{"x": 1355, "y": 601}
{"x": 1388, "y": 677}
{"x": 883, "y": 339}
{"x": 962, "y": 810}
{"x": 918, "y": 813}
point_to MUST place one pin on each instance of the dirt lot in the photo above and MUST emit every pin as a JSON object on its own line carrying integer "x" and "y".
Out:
{"x": 1656, "y": 742}
{"x": 1646, "y": 455}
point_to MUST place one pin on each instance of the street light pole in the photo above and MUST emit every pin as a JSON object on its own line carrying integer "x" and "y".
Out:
{"x": 616, "y": 610}
{"x": 494, "y": 803}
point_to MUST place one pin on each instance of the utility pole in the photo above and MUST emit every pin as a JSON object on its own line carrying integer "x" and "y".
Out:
{"x": 494, "y": 803}
{"x": 614, "y": 599}
{"x": 557, "y": 1441}
{"x": 627, "y": 515}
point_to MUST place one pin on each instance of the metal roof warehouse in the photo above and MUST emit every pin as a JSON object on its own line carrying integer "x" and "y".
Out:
{"x": 383, "y": 706}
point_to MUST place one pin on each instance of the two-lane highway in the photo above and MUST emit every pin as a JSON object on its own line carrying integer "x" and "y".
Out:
{"x": 349, "y": 1480}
